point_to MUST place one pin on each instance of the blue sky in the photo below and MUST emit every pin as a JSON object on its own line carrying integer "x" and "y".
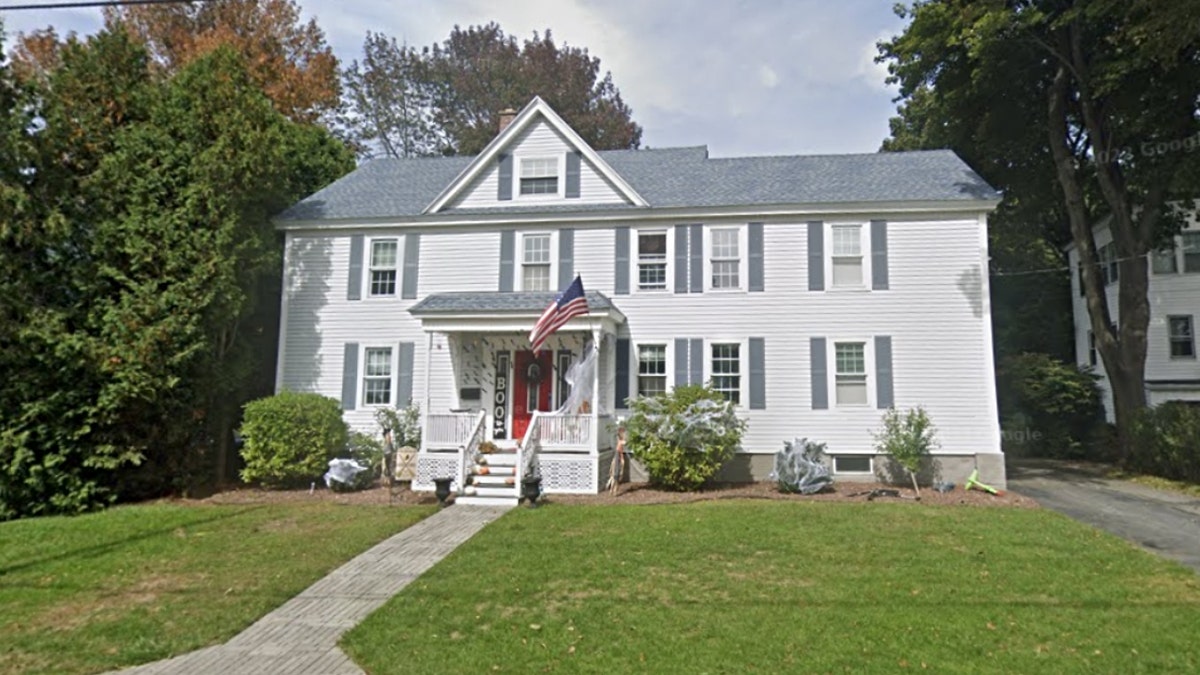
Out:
{"x": 744, "y": 77}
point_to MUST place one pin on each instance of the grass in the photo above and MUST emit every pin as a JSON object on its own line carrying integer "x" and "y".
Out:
{"x": 138, "y": 583}
{"x": 738, "y": 586}
{"x": 1181, "y": 487}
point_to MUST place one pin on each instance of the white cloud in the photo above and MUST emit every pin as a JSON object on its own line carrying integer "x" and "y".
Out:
{"x": 767, "y": 76}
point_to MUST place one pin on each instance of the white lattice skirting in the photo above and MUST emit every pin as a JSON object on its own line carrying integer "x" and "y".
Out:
{"x": 569, "y": 474}
{"x": 432, "y": 465}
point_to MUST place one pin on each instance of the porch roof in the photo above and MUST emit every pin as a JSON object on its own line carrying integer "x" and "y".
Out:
{"x": 496, "y": 302}
{"x": 505, "y": 311}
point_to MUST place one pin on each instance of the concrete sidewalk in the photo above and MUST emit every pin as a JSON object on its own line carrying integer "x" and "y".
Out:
{"x": 301, "y": 636}
{"x": 1162, "y": 522}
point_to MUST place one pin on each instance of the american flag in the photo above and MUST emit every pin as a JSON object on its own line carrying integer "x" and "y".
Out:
{"x": 570, "y": 303}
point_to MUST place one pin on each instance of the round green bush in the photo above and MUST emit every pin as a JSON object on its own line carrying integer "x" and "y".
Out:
{"x": 683, "y": 437}
{"x": 290, "y": 438}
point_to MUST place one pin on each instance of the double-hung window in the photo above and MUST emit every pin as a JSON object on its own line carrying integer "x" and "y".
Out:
{"x": 652, "y": 261}
{"x": 1163, "y": 261}
{"x": 535, "y": 262}
{"x": 384, "y": 257}
{"x": 652, "y": 370}
{"x": 1109, "y": 267}
{"x": 850, "y": 375}
{"x": 539, "y": 176}
{"x": 847, "y": 256}
{"x": 377, "y": 376}
{"x": 1093, "y": 355}
{"x": 1183, "y": 341}
{"x": 727, "y": 371}
{"x": 1191, "y": 251}
{"x": 726, "y": 258}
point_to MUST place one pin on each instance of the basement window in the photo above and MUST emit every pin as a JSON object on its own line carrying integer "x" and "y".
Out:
{"x": 860, "y": 464}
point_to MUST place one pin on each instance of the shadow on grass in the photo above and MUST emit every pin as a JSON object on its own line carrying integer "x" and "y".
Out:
{"x": 98, "y": 550}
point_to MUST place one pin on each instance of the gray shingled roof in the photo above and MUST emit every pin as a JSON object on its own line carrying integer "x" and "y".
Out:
{"x": 671, "y": 178}
{"x": 498, "y": 302}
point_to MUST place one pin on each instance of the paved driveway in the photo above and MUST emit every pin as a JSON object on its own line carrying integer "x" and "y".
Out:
{"x": 1166, "y": 523}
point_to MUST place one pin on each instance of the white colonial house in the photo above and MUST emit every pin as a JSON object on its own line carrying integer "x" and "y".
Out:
{"x": 813, "y": 291}
{"x": 1172, "y": 370}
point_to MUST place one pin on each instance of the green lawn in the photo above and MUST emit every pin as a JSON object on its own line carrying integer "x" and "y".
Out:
{"x": 732, "y": 587}
{"x": 138, "y": 583}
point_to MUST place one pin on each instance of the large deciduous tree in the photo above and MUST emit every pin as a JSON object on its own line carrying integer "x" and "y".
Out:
{"x": 447, "y": 98}
{"x": 287, "y": 58}
{"x": 141, "y": 267}
{"x": 1078, "y": 111}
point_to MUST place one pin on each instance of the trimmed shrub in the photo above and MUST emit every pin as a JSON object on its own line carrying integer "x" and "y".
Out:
{"x": 683, "y": 437}
{"x": 1167, "y": 442}
{"x": 908, "y": 437}
{"x": 290, "y": 438}
{"x": 1048, "y": 408}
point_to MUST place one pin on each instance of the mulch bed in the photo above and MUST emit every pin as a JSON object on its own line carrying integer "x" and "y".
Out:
{"x": 636, "y": 493}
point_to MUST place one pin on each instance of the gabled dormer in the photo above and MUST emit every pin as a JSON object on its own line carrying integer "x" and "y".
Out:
{"x": 536, "y": 160}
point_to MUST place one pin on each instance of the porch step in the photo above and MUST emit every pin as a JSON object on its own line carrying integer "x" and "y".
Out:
{"x": 489, "y": 470}
{"x": 494, "y": 479}
{"x": 466, "y": 500}
{"x": 491, "y": 491}
{"x": 499, "y": 459}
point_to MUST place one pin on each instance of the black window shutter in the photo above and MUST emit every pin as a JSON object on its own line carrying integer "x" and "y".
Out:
{"x": 820, "y": 373}
{"x": 354, "y": 285}
{"x": 350, "y": 376}
{"x": 621, "y": 273}
{"x": 622, "y": 356}
{"x": 504, "y": 188}
{"x": 816, "y": 256}
{"x": 573, "y": 166}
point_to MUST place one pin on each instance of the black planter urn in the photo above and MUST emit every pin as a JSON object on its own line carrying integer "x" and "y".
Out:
{"x": 441, "y": 489}
{"x": 531, "y": 489}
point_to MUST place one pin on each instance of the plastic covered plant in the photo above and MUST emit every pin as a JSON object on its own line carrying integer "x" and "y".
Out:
{"x": 798, "y": 467}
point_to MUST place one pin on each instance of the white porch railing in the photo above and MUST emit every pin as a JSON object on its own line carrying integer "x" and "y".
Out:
{"x": 444, "y": 431}
{"x": 565, "y": 432}
{"x": 449, "y": 442}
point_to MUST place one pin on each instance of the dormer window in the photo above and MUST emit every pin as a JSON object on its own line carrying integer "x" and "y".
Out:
{"x": 539, "y": 176}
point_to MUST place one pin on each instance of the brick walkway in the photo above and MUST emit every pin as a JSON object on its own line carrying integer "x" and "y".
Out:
{"x": 300, "y": 637}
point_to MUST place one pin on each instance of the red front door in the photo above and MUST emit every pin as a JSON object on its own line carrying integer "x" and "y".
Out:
{"x": 532, "y": 378}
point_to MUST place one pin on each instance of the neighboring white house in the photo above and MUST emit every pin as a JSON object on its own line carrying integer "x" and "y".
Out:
{"x": 1172, "y": 370}
{"x": 815, "y": 292}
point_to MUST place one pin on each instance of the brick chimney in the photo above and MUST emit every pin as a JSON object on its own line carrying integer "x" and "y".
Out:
{"x": 506, "y": 117}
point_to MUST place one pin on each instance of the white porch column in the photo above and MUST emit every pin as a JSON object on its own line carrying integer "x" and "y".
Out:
{"x": 428, "y": 380}
{"x": 596, "y": 393}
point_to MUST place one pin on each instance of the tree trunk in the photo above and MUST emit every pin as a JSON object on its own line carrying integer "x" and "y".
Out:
{"x": 1122, "y": 347}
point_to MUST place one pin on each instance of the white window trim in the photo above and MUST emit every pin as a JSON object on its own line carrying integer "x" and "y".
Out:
{"x": 864, "y": 247}
{"x": 1179, "y": 257}
{"x": 1176, "y": 254}
{"x": 634, "y": 286}
{"x": 560, "y": 162}
{"x": 1171, "y": 338}
{"x": 870, "y": 460}
{"x": 743, "y": 366}
{"x": 519, "y": 272}
{"x": 634, "y": 390}
{"x": 743, "y": 257}
{"x": 362, "y": 376}
{"x": 370, "y": 246}
{"x": 869, "y": 365}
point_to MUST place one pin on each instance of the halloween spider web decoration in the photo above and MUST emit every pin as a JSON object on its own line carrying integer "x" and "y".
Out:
{"x": 798, "y": 468}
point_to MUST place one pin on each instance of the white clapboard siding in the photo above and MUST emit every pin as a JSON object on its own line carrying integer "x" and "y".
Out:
{"x": 538, "y": 140}
{"x": 1169, "y": 295}
{"x": 934, "y": 313}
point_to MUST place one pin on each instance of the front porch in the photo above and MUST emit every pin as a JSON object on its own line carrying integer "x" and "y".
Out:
{"x": 508, "y": 412}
